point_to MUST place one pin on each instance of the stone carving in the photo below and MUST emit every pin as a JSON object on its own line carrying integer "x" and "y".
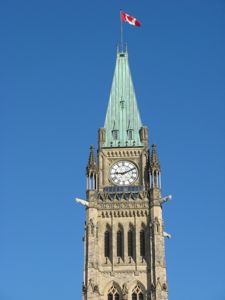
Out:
{"x": 124, "y": 289}
{"x": 97, "y": 231}
{"x": 94, "y": 287}
{"x": 164, "y": 287}
{"x": 157, "y": 225}
{"x": 158, "y": 283}
{"x": 92, "y": 227}
{"x": 122, "y": 205}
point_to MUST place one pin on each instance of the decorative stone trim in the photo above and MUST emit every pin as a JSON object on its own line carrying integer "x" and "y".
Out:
{"x": 123, "y": 213}
{"x": 128, "y": 153}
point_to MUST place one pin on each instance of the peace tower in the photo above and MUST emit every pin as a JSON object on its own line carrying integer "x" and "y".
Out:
{"x": 124, "y": 255}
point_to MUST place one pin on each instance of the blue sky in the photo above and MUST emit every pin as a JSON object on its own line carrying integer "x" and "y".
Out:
{"x": 56, "y": 66}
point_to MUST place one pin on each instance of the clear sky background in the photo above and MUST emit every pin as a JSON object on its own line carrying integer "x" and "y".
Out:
{"x": 56, "y": 65}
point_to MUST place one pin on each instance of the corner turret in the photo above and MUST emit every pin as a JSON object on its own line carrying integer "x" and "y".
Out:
{"x": 91, "y": 170}
{"x": 155, "y": 170}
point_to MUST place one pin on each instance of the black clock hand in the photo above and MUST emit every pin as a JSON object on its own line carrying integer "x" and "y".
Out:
{"x": 128, "y": 171}
{"x": 122, "y": 173}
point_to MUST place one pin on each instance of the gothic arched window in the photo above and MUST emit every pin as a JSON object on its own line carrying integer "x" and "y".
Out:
{"x": 107, "y": 243}
{"x": 119, "y": 243}
{"x": 117, "y": 297}
{"x": 142, "y": 243}
{"x": 134, "y": 296}
{"x": 137, "y": 293}
{"x": 141, "y": 296}
{"x": 131, "y": 243}
{"x": 113, "y": 294}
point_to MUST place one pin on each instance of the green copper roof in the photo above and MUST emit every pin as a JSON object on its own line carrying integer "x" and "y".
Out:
{"x": 123, "y": 121}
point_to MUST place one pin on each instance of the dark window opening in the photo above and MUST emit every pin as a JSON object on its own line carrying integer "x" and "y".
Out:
{"x": 117, "y": 297}
{"x": 107, "y": 244}
{"x": 110, "y": 297}
{"x": 130, "y": 243}
{"x": 134, "y": 296}
{"x": 119, "y": 244}
{"x": 142, "y": 243}
{"x": 141, "y": 296}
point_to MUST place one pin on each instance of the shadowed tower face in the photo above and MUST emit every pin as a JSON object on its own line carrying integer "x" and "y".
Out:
{"x": 124, "y": 255}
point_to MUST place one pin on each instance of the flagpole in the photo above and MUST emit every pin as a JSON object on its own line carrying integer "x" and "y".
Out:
{"x": 121, "y": 31}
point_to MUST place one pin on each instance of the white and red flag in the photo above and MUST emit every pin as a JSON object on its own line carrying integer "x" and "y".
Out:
{"x": 131, "y": 20}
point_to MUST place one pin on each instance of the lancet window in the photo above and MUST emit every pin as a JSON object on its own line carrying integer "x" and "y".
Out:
{"x": 120, "y": 243}
{"x": 137, "y": 293}
{"x": 142, "y": 243}
{"x": 131, "y": 243}
{"x": 113, "y": 294}
{"x": 155, "y": 179}
{"x": 107, "y": 243}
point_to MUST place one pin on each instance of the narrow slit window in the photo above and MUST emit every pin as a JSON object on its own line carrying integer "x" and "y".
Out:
{"x": 107, "y": 244}
{"x": 130, "y": 243}
{"x": 142, "y": 243}
{"x": 119, "y": 243}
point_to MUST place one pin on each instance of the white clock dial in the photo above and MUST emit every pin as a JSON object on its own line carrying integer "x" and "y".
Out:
{"x": 123, "y": 173}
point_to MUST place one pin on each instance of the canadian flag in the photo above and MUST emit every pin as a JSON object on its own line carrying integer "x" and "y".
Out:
{"x": 131, "y": 20}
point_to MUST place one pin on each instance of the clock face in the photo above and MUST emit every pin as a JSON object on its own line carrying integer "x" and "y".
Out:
{"x": 123, "y": 173}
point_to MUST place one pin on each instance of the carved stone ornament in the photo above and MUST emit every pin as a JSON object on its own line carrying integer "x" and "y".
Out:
{"x": 94, "y": 287}
{"x": 156, "y": 225}
{"x": 158, "y": 284}
{"x": 91, "y": 227}
{"x": 124, "y": 289}
{"x": 164, "y": 287}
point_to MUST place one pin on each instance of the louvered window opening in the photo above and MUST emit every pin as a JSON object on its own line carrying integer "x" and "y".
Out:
{"x": 142, "y": 243}
{"x": 130, "y": 243}
{"x": 107, "y": 244}
{"x": 119, "y": 244}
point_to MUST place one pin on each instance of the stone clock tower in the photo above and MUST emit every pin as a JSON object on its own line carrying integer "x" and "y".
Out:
{"x": 124, "y": 257}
